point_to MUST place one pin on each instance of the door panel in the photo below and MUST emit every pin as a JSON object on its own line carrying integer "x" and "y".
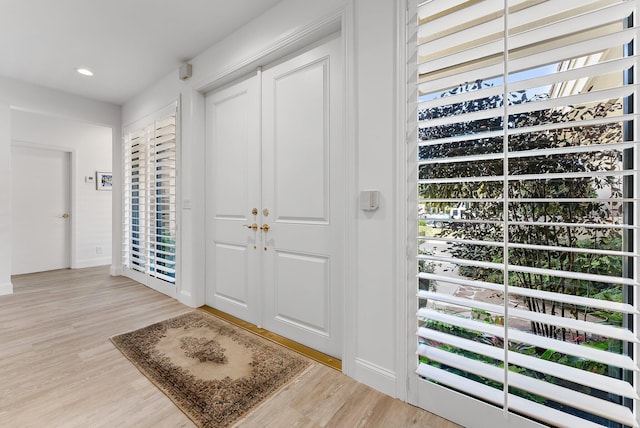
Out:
{"x": 232, "y": 147}
{"x": 302, "y": 278}
{"x": 302, "y": 183}
{"x": 40, "y": 185}
{"x": 300, "y": 140}
{"x": 231, "y": 278}
{"x": 233, "y": 179}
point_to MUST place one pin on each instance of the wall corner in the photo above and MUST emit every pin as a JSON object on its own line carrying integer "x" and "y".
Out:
{"x": 5, "y": 196}
{"x": 6, "y": 289}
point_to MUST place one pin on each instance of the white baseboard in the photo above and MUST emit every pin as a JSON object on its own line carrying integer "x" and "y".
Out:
{"x": 80, "y": 264}
{"x": 375, "y": 376}
{"x": 186, "y": 298}
{"x": 6, "y": 288}
{"x": 115, "y": 270}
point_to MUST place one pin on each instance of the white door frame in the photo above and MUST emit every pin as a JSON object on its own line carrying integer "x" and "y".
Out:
{"x": 72, "y": 190}
{"x": 343, "y": 21}
{"x": 406, "y": 209}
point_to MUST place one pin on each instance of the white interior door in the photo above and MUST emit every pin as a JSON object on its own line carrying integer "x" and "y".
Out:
{"x": 233, "y": 192}
{"x": 280, "y": 151}
{"x": 303, "y": 188}
{"x": 40, "y": 203}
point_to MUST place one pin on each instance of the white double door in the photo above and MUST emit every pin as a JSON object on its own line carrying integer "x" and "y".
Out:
{"x": 275, "y": 198}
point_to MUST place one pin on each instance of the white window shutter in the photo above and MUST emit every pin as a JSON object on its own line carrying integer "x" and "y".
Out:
{"x": 528, "y": 186}
{"x": 149, "y": 197}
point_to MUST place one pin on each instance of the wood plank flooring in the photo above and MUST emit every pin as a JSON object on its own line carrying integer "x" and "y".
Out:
{"x": 59, "y": 369}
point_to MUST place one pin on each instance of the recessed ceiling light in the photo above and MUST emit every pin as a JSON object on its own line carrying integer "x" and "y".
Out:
{"x": 84, "y": 71}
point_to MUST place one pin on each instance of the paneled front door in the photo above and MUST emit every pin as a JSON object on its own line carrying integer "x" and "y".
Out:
{"x": 275, "y": 198}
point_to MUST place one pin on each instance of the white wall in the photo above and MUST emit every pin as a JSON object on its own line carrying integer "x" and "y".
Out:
{"x": 376, "y": 303}
{"x": 5, "y": 191}
{"x": 30, "y": 102}
{"x": 91, "y": 151}
{"x": 369, "y": 30}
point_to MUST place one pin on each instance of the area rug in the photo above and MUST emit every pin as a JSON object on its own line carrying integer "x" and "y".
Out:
{"x": 213, "y": 371}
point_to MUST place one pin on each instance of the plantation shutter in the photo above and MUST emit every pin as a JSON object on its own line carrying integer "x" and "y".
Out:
{"x": 527, "y": 187}
{"x": 162, "y": 209}
{"x": 149, "y": 199}
{"x": 135, "y": 200}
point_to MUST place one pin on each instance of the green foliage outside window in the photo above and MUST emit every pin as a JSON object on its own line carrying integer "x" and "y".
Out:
{"x": 567, "y": 218}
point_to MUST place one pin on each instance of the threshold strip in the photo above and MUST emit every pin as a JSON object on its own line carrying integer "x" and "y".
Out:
{"x": 318, "y": 356}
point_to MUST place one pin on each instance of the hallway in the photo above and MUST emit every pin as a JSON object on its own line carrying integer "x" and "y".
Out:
{"x": 59, "y": 368}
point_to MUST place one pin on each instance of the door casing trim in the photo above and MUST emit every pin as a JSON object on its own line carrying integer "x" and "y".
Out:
{"x": 341, "y": 20}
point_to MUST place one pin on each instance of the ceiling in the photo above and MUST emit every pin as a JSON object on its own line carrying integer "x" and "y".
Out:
{"x": 128, "y": 44}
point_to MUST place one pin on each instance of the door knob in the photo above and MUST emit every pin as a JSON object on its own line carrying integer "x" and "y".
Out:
{"x": 265, "y": 227}
{"x": 253, "y": 226}
{"x": 65, "y": 215}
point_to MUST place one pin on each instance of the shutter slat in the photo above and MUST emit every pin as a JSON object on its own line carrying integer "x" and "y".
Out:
{"x": 534, "y": 152}
{"x": 574, "y": 50}
{"x": 529, "y": 292}
{"x": 545, "y": 389}
{"x": 572, "y": 374}
{"x": 567, "y": 27}
{"x": 571, "y": 324}
{"x": 518, "y": 404}
{"x": 545, "y": 272}
{"x": 586, "y": 352}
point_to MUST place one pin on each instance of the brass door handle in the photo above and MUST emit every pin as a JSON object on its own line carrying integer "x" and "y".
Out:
{"x": 265, "y": 228}
{"x": 253, "y": 226}
{"x": 65, "y": 215}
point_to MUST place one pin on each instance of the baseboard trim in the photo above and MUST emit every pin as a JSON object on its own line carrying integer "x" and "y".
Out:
{"x": 6, "y": 289}
{"x": 375, "y": 376}
{"x": 185, "y": 297}
{"x": 92, "y": 263}
{"x": 116, "y": 270}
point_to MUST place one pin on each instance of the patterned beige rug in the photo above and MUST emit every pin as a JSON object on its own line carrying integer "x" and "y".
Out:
{"x": 213, "y": 371}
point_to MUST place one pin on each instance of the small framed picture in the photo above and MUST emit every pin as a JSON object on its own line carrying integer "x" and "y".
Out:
{"x": 104, "y": 180}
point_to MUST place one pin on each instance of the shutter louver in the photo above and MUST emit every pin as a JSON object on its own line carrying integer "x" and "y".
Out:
{"x": 162, "y": 241}
{"x": 150, "y": 199}
{"x": 528, "y": 182}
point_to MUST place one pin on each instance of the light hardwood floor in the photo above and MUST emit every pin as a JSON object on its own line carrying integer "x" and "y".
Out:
{"x": 59, "y": 369}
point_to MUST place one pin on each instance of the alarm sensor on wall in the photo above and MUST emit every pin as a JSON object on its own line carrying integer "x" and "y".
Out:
{"x": 184, "y": 72}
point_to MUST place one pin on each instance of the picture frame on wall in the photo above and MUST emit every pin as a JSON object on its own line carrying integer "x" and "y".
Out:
{"x": 104, "y": 180}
